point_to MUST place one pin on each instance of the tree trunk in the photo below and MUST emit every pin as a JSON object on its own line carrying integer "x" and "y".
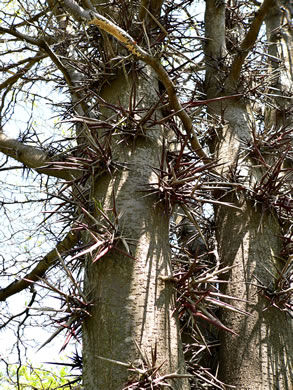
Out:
{"x": 131, "y": 322}
{"x": 259, "y": 355}
{"x": 132, "y": 319}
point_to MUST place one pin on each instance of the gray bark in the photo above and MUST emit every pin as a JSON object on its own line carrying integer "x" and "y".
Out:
{"x": 132, "y": 305}
{"x": 260, "y": 355}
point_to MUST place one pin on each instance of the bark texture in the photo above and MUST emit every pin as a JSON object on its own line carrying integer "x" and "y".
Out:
{"x": 260, "y": 355}
{"x": 132, "y": 318}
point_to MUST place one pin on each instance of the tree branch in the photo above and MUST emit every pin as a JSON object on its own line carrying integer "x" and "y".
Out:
{"x": 177, "y": 107}
{"x": 39, "y": 271}
{"x": 67, "y": 76}
{"x": 42, "y": 44}
{"x": 33, "y": 18}
{"x": 248, "y": 42}
{"x": 27, "y": 38}
{"x": 33, "y": 158}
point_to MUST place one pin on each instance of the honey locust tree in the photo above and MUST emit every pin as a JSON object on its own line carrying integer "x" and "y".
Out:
{"x": 167, "y": 181}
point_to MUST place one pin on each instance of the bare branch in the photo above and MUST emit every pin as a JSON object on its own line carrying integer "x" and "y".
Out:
{"x": 27, "y": 38}
{"x": 177, "y": 107}
{"x": 33, "y": 18}
{"x": 76, "y": 11}
{"x": 32, "y": 157}
{"x": 121, "y": 35}
{"x": 39, "y": 271}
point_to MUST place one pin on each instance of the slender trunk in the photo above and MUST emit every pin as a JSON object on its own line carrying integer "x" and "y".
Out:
{"x": 260, "y": 355}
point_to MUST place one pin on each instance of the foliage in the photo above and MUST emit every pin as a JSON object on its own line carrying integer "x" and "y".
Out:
{"x": 32, "y": 378}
